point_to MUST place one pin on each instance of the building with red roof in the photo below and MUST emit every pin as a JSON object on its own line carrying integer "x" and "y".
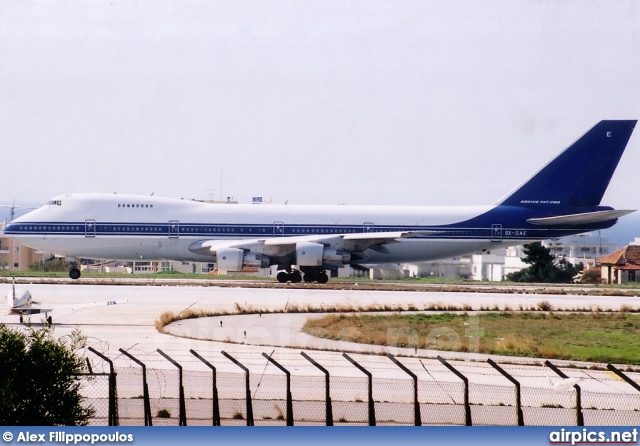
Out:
{"x": 621, "y": 266}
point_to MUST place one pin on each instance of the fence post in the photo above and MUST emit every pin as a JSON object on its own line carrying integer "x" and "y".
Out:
{"x": 289, "y": 398}
{"x": 247, "y": 388}
{"x": 183, "y": 413}
{"x": 327, "y": 398}
{"x": 560, "y": 373}
{"x": 465, "y": 380}
{"x": 145, "y": 388}
{"x": 216, "y": 404}
{"x": 372, "y": 411}
{"x": 113, "y": 391}
{"x": 515, "y": 383}
{"x": 628, "y": 380}
{"x": 417, "y": 419}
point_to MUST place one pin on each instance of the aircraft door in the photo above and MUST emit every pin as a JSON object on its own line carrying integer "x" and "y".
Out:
{"x": 89, "y": 228}
{"x": 278, "y": 229}
{"x": 496, "y": 233}
{"x": 368, "y": 227}
{"x": 174, "y": 229}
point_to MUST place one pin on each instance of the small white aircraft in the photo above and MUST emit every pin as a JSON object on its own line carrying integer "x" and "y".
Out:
{"x": 22, "y": 303}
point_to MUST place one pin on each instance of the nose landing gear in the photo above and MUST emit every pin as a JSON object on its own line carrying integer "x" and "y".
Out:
{"x": 74, "y": 272}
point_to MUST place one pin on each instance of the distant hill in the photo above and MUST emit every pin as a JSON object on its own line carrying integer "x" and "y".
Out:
{"x": 625, "y": 231}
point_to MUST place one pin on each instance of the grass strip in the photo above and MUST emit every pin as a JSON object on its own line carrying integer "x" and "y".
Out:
{"x": 594, "y": 336}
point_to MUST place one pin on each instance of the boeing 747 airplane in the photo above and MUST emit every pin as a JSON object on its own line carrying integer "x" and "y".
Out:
{"x": 305, "y": 242}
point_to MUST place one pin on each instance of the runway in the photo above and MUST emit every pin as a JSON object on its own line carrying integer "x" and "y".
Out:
{"x": 130, "y": 325}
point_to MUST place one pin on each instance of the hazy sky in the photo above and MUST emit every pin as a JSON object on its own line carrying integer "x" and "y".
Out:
{"x": 358, "y": 102}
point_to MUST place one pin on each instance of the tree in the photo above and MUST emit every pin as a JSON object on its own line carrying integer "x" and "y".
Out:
{"x": 544, "y": 267}
{"x": 39, "y": 382}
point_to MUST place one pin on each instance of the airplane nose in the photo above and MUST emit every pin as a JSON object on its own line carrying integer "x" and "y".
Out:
{"x": 11, "y": 228}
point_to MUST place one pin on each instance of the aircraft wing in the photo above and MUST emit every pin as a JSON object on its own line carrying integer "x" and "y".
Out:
{"x": 579, "y": 219}
{"x": 281, "y": 246}
{"x": 29, "y": 310}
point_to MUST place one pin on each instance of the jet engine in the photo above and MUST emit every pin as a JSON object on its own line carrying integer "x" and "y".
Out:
{"x": 316, "y": 254}
{"x": 234, "y": 259}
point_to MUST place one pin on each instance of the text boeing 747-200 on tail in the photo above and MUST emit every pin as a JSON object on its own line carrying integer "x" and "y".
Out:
{"x": 305, "y": 242}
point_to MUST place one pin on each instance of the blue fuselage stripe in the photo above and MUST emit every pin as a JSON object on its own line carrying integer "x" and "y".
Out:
{"x": 200, "y": 230}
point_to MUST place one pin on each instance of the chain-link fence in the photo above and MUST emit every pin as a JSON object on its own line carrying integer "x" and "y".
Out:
{"x": 334, "y": 392}
{"x": 94, "y": 387}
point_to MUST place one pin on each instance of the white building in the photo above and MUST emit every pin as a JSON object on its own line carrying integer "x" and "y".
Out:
{"x": 585, "y": 248}
{"x": 489, "y": 265}
{"x": 453, "y": 268}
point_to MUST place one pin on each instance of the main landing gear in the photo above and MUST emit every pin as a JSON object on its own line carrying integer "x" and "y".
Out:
{"x": 296, "y": 276}
{"x": 293, "y": 277}
{"x": 48, "y": 320}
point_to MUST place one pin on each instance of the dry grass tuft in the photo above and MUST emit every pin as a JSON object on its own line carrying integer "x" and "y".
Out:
{"x": 165, "y": 319}
{"x": 517, "y": 345}
{"x": 625, "y": 309}
{"x": 544, "y": 305}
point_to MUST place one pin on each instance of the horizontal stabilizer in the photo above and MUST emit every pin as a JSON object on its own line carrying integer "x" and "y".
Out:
{"x": 579, "y": 219}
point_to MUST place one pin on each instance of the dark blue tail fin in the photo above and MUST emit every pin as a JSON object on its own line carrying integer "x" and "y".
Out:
{"x": 579, "y": 176}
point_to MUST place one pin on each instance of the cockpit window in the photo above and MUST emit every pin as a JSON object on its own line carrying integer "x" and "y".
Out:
{"x": 55, "y": 202}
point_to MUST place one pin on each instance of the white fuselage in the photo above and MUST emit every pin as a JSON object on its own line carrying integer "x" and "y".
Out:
{"x": 134, "y": 227}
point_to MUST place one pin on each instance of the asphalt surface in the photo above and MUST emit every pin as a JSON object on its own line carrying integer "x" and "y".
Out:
{"x": 115, "y": 317}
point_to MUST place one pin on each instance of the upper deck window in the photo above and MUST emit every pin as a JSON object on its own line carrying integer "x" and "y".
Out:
{"x": 129, "y": 205}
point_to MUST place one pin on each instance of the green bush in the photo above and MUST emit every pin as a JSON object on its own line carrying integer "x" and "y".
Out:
{"x": 39, "y": 382}
{"x": 51, "y": 265}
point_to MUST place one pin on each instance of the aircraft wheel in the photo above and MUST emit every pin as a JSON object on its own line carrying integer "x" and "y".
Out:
{"x": 323, "y": 278}
{"x": 308, "y": 277}
{"x": 21, "y": 319}
{"x": 50, "y": 320}
{"x": 282, "y": 277}
{"x": 74, "y": 273}
{"x": 295, "y": 277}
